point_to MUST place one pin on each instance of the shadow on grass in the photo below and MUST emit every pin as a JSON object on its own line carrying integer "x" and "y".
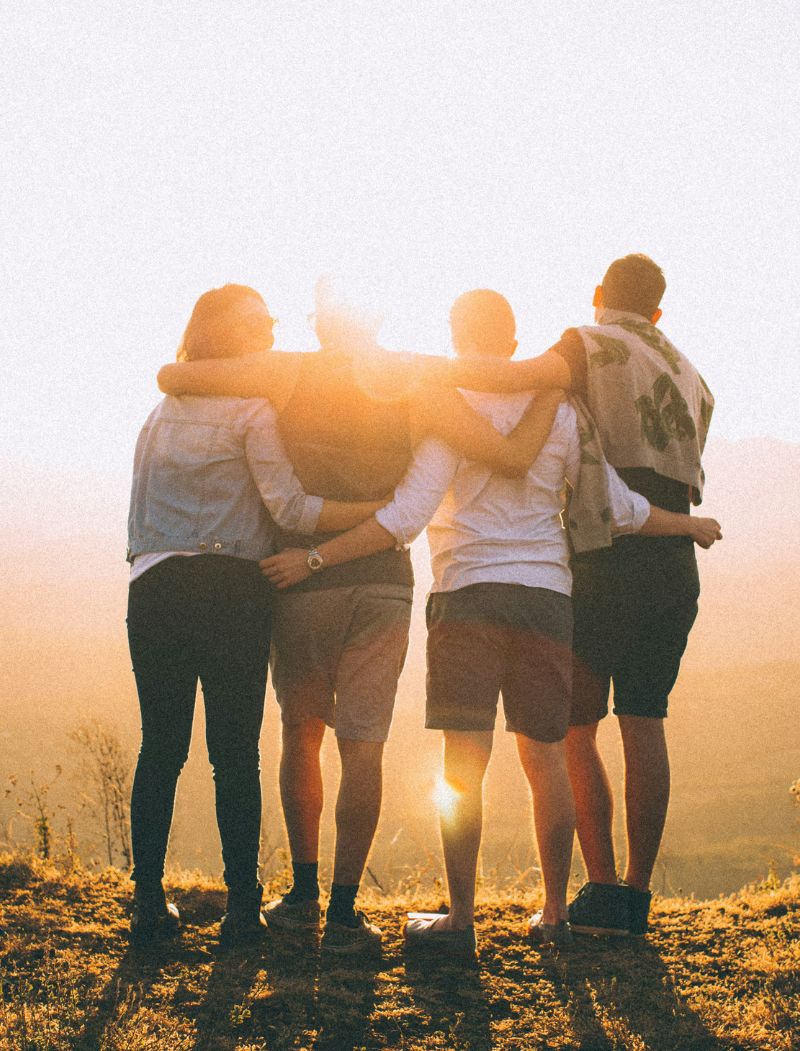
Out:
{"x": 283, "y": 992}
{"x": 453, "y": 997}
{"x": 615, "y": 992}
{"x": 129, "y": 986}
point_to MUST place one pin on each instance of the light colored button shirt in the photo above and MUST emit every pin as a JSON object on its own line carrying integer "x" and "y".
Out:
{"x": 208, "y": 474}
{"x": 487, "y": 528}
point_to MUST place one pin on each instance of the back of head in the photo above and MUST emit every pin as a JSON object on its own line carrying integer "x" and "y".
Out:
{"x": 482, "y": 321}
{"x": 339, "y": 324}
{"x": 227, "y": 322}
{"x": 635, "y": 284}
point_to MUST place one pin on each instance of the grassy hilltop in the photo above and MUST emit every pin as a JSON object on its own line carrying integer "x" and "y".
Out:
{"x": 712, "y": 975}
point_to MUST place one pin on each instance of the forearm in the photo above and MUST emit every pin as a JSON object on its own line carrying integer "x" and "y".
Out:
{"x": 666, "y": 523}
{"x": 337, "y": 515}
{"x": 365, "y": 539}
{"x": 477, "y": 372}
{"x": 447, "y": 415}
{"x": 270, "y": 375}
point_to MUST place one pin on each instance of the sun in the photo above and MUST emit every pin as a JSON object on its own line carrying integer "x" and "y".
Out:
{"x": 446, "y": 798}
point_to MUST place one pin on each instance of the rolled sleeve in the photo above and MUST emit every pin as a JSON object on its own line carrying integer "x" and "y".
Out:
{"x": 283, "y": 495}
{"x": 629, "y": 510}
{"x": 419, "y": 492}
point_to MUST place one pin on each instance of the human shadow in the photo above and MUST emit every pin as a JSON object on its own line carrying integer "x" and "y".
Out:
{"x": 453, "y": 995}
{"x": 137, "y": 970}
{"x": 625, "y": 986}
{"x": 345, "y": 1001}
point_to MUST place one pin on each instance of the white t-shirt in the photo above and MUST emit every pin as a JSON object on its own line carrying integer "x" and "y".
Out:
{"x": 488, "y": 528}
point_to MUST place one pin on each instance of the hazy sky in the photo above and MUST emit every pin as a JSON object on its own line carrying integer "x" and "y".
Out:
{"x": 417, "y": 149}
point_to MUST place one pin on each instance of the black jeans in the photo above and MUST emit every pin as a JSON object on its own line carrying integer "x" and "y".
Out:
{"x": 206, "y": 617}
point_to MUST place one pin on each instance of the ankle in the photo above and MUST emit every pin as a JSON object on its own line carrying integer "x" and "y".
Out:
{"x": 341, "y": 907}
{"x": 554, "y": 914}
{"x": 460, "y": 917}
{"x": 642, "y": 886}
{"x": 305, "y": 881}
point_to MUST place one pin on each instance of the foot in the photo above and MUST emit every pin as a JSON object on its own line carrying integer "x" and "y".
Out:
{"x": 243, "y": 922}
{"x": 552, "y": 935}
{"x": 346, "y": 939}
{"x": 153, "y": 916}
{"x": 293, "y": 914}
{"x": 602, "y": 909}
{"x": 433, "y": 931}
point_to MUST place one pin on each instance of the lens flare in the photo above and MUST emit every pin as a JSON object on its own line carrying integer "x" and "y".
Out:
{"x": 445, "y": 797}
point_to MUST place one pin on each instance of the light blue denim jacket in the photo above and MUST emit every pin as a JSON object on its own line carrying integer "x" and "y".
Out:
{"x": 206, "y": 472}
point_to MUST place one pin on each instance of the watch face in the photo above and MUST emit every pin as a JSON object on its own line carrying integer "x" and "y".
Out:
{"x": 315, "y": 561}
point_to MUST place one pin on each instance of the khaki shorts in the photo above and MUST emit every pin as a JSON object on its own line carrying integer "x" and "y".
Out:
{"x": 337, "y": 654}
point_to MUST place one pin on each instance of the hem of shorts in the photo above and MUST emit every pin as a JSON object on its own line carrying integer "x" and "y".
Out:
{"x": 449, "y": 724}
{"x": 662, "y": 714}
{"x": 303, "y": 719}
{"x": 588, "y": 719}
{"x": 535, "y": 737}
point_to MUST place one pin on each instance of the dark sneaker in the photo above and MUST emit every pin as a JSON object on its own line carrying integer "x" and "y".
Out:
{"x": 549, "y": 935}
{"x": 153, "y": 916}
{"x": 422, "y": 934}
{"x": 341, "y": 939}
{"x": 243, "y": 922}
{"x": 293, "y": 914}
{"x": 601, "y": 908}
{"x": 638, "y": 910}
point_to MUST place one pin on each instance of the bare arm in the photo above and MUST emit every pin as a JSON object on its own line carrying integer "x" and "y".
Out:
{"x": 548, "y": 371}
{"x": 447, "y": 415}
{"x": 416, "y": 498}
{"x": 336, "y": 515}
{"x": 272, "y": 375}
{"x": 704, "y": 531}
{"x": 280, "y": 488}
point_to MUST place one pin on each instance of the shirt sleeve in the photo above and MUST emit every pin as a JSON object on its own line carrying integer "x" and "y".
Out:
{"x": 629, "y": 510}
{"x": 572, "y": 462}
{"x": 419, "y": 492}
{"x": 572, "y": 350}
{"x": 283, "y": 495}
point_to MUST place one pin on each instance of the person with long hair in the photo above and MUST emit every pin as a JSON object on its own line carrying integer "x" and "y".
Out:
{"x": 210, "y": 476}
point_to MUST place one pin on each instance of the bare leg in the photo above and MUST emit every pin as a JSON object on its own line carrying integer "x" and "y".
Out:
{"x": 594, "y": 803}
{"x": 301, "y": 787}
{"x": 358, "y": 807}
{"x": 545, "y": 766}
{"x": 647, "y": 783}
{"x": 466, "y": 756}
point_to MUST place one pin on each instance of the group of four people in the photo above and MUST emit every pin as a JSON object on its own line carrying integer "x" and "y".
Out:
{"x": 274, "y": 499}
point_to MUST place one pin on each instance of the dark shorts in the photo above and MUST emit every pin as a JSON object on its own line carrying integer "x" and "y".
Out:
{"x": 488, "y": 639}
{"x": 634, "y": 606}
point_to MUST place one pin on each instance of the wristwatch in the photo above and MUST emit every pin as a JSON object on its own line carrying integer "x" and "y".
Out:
{"x": 315, "y": 561}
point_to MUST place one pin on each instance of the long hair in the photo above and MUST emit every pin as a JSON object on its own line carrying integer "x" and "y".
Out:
{"x": 227, "y": 322}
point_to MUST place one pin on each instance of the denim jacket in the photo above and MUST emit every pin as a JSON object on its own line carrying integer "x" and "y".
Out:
{"x": 207, "y": 474}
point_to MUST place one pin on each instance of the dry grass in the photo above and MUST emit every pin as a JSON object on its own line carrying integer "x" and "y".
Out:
{"x": 712, "y": 975}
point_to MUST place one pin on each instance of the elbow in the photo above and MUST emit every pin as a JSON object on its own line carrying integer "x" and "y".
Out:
{"x": 163, "y": 380}
{"x": 513, "y": 466}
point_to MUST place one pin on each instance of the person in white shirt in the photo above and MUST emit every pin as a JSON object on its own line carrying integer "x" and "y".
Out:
{"x": 499, "y": 619}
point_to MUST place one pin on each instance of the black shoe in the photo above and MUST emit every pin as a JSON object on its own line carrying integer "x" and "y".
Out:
{"x": 243, "y": 922}
{"x": 638, "y": 910}
{"x": 601, "y": 908}
{"x": 153, "y": 916}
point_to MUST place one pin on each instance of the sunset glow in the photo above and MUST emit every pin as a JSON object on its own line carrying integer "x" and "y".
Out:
{"x": 446, "y": 798}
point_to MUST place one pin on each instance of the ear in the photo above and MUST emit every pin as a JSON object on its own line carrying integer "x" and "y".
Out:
{"x": 655, "y": 318}
{"x": 597, "y": 301}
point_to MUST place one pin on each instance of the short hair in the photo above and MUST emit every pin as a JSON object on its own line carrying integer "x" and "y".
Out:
{"x": 634, "y": 283}
{"x": 225, "y": 323}
{"x": 482, "y": 317}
